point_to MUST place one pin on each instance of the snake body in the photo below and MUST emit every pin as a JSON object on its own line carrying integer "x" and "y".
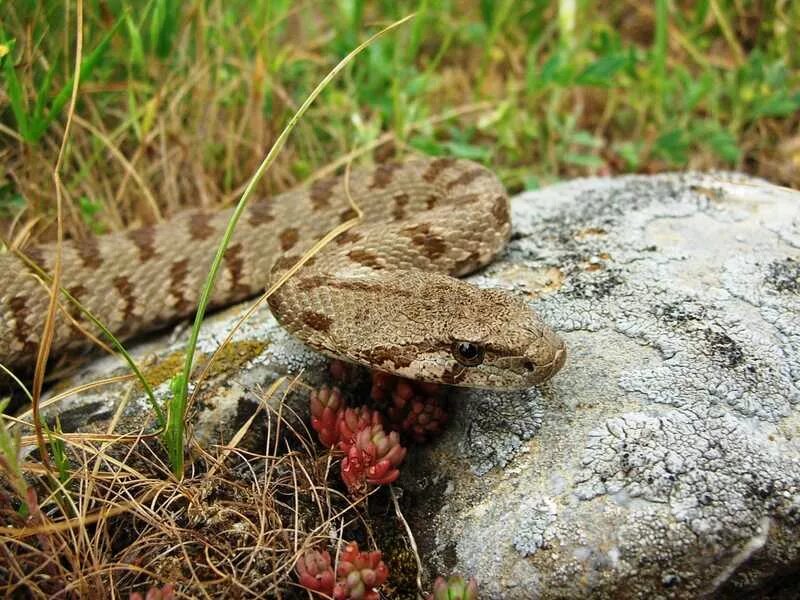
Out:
{"x": 383, "y": 294}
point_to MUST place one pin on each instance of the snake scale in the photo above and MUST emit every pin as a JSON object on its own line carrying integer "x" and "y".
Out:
{"x": 383, "y": 294}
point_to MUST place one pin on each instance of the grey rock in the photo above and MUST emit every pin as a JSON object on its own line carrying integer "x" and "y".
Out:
{"x": 662, "y": 462}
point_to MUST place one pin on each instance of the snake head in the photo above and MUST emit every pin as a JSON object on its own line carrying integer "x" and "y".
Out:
{"x": 509, "y": 348}
{"x": 451, "y": 332}
{"x": 423, "y": 326}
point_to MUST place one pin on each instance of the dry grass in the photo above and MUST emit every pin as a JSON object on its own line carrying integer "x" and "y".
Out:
{"x": 119, "y": 523}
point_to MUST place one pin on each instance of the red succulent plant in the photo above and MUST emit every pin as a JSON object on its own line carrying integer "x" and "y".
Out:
{"x": 327, "y": 406}
{"x": 358, "y": 574}
{"x": 372, "y": 459}
{"x": 314, "y": 571}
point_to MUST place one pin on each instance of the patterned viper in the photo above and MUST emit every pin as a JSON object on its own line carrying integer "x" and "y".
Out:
{"x": 383, "y": 294}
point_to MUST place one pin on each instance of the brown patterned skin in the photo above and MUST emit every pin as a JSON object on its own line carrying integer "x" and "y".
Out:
{"x": 382, "y": 294}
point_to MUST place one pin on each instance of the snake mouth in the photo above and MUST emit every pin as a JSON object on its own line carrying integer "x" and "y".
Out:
{"x": 558, "y": 360}
{"x": 547, "y": 370}
{"x": 534, "y": 373}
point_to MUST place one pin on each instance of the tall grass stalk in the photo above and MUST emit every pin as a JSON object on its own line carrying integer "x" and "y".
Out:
{"x": 177, "y": 403}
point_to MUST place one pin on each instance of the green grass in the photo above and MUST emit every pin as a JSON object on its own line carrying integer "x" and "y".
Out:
{"x": 10, "y": 461}
{"x": 193, "y": 94}
{"x": 34, "y": 116}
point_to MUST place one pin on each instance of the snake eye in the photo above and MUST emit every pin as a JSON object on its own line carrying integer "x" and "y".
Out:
{"x": 468, "y": 354}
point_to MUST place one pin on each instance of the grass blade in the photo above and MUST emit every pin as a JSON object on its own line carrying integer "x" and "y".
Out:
{"x": 9, "y": 459}
{"x": 87, "y": 66}
{"x": 208, "y": 287}
{"x": 43, "y": 93}
{"x": 660, "y": 45}
{"x": 16, "y": 96}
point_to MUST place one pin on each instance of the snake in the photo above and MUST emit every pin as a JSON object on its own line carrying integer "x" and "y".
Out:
{"x": 386, "y": 293}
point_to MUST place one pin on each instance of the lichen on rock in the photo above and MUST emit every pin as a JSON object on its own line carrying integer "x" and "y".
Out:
{"x": 668, "y": 446}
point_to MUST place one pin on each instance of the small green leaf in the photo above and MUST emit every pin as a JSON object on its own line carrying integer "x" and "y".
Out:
{"x": 672, "y": 146}
{"x": 590, "y": 161}
{"x": 301, "y": 169}
{"x": 531, "y": 182}
{"x": 427, "y": 145}
{"x": 584, "y": 138}
{"x": 602, "y": 71}
{"x": 696, "y": 90}
{"x": 777, "y": 105}
{"x": 462, "y": 150}
{"x": 474, "y": 32}
{"x": 630, "y": 153}
{"x": 11, "y": 202}
{"x": 721, "y": 141}
{"x": 555, "y": 70}
{"x": 89, "y": 210}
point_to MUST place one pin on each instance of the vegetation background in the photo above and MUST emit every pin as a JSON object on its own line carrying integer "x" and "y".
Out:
{"x": 180, "y": 101}
{"x": 177, "y": 106}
